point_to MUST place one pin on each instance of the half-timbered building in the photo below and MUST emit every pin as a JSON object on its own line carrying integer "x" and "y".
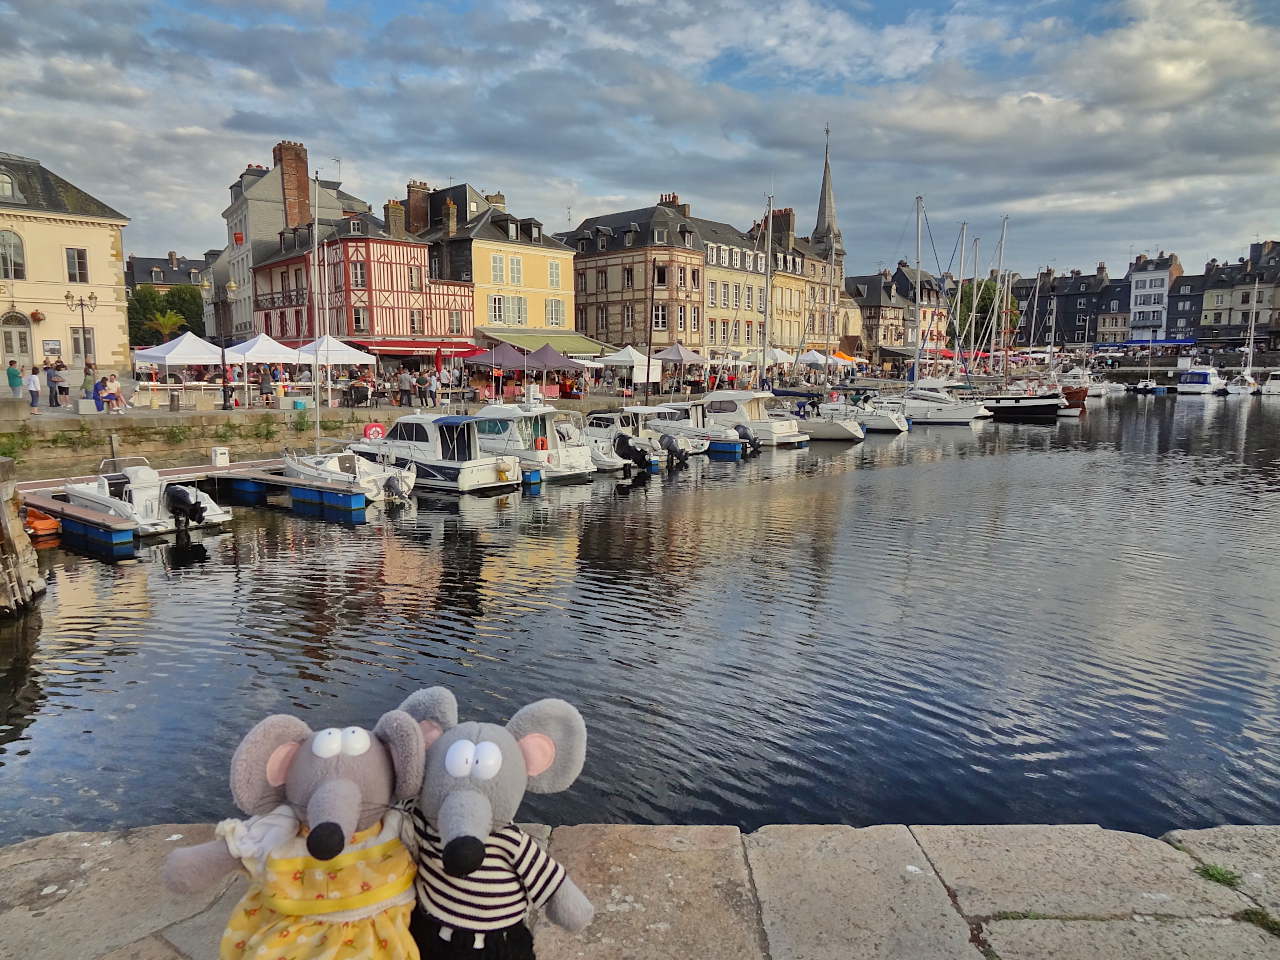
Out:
{"x": 375, "y": 290}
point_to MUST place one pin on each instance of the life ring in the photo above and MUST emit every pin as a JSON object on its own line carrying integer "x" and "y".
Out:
{"x": 540, "y": 443}
{"x": 833, "y": 396}
{"x": 374, "y": 431}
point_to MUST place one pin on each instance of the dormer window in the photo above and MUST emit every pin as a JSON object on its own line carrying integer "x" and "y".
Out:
{"x": 193, "y": 276}
{"x": 534, "y": 232}
{"x": 688, "y": 240}
{"x": 513, "y": 231}
{"x": 660, "y": 236}
{"x": 582, "y": 246}
{"x": 628, "y": 238}
{"x": 711, "y": 253}
{"x": 6, "y": 187}
{"x": 602, "y": 242}
{"x": 357, "y": 226}
{"x": 157, "y": 274}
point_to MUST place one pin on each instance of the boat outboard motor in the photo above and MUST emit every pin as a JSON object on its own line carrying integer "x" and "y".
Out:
{"x": 627, "y": 450}
{"x": 184, "y": 505}
{"x": 676, "y": 457}
{"x": 397, "y": 487}
{"x": 744, "y": 433}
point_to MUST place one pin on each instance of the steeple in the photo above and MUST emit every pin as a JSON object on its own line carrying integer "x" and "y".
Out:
{"x": 826, "y": 233}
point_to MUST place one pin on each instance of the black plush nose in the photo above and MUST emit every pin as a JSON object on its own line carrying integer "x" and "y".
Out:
{"x": 463, "y": 855}
{"x": 325, "y": 841}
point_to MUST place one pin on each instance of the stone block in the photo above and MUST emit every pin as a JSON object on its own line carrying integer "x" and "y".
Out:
{"x": 1252, "y": 852}
{"x": 198, "y": 937}
{"x": 836, "y": 893}
{"x": 98, "y": 891}
{"x": 87, "y": 407}
{"x": 658, "y": 892}
{"x": 1069, "y": 871}
{"x": 1130, "y": 940}
{"x": 150, "y": 948}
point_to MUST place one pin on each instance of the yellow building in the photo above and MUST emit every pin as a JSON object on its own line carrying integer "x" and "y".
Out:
{"x": 523, "y": 278}
{"x": 56, "y": 240}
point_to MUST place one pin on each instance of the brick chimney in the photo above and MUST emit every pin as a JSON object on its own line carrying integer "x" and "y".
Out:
{"x": 291, "y": 157}
{"x": 497, "y": 200}
{"x": 417, "y": 206}
{"x": 450, "y": 217}
{"x": 173, "y": 260}
{"x": 672, "y": 200}
{"x": 393, "y": 216}
{"x": 784, "y": 226}
{"x": 1102, "y": 268}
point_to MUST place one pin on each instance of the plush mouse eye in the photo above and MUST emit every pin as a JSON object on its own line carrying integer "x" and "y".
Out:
{"x": 488, "y": 760}
{"x": 460, "y": 758}
{"x": 355, "y": 741}
{"x": 327, "y": 743}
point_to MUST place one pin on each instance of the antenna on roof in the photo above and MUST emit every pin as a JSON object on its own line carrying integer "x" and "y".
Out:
{"x": 568, "y": 214}
{"x": 338, "y": 161}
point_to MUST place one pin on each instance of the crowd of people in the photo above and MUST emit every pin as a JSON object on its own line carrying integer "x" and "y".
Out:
{"x": 54, "y": 380}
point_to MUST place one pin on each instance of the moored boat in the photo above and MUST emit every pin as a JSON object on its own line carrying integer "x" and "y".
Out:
{"x": 1200, "y": 380}
{"x": 379, "y": 480}
{"x": 444, "y": 452}
{"x": 132, "y": 490}
{"x": 745, "y": 408}
{"x": 527, "y": 431}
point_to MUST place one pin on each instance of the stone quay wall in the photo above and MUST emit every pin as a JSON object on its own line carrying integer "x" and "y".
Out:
{"x": 888, "y": 892}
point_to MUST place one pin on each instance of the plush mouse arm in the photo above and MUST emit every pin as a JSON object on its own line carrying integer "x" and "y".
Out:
{"x": 192, "y": 869}
{"x": 570, "y": 908}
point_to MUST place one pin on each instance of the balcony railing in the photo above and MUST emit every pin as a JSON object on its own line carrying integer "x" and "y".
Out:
{"x": 285, "y": 298}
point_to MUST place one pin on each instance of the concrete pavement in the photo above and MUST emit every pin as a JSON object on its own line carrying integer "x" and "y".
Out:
{"x": 781, "y": 893}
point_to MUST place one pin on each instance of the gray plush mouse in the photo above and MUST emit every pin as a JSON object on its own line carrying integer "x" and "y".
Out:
{"x": 479, "y": 875}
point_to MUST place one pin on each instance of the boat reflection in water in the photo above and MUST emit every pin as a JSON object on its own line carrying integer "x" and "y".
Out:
{"x": 878, "y": 632}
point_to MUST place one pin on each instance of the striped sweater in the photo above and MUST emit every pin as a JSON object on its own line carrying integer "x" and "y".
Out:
{"x": 516, "y": 876}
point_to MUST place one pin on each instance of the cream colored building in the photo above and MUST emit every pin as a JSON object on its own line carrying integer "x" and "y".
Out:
{"x": 55, "y": 239}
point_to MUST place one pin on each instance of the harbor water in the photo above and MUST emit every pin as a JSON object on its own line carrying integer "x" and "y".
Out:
{"x": 1063, "y": 624}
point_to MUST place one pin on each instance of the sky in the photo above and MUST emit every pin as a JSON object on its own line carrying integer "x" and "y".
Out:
{"x": 1100, "y": 128}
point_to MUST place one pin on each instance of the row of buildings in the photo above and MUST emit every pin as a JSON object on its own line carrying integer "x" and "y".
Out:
{"x": 452, "y": 267}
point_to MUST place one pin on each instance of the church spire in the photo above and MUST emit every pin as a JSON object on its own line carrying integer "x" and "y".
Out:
{"x": 826, "y": 233}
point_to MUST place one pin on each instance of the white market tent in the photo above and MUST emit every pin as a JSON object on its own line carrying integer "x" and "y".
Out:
{"x": 263, "y": 349}
{"x": 631, "y": 358}
{"x": 329, "y": 351}
{"x": 679, "y": 353}
{"x": 182, "y": 351}
{"x": 778, "y": 355}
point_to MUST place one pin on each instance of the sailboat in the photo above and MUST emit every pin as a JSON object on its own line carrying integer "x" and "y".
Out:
{"x": 1243, "y": 383}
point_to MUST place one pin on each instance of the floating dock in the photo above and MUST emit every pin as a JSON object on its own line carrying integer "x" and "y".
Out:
{"x": 257, "y": 484}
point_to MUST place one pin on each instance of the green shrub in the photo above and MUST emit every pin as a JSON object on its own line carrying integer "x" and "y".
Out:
{"x": 301, "y": 421}
{"x": 176, "y": 434}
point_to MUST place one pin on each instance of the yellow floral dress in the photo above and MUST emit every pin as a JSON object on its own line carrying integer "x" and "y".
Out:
{"x": 353, "y": 907}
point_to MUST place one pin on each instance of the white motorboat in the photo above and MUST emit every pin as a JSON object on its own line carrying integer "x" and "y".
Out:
{"x": 648, "y": 423}
{"x": 835, "y": 425}
{"x": 1200, "y": 379}
{"x": 689, "y": 419}
{"x": 933, "y": 407}
{"x": 527, "y": 431}
{"x": 130, "y": 489}
{"x": 1027, "y": 406}
{"x": 1079, "y": 377}
{"x": 444, "y": 452}
{"x": 872, "y": 419}
{"x": 1242, "y": 384}
{"x": 570, "y": 427}
{"x": 733, "y": 408}
{"x": 1272, "y": 386}
{"x": 627, "y": 433}
{"x": 379, "y": 480}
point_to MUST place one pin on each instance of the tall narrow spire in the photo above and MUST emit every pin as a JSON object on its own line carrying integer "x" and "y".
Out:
{"x": 826, "y": 232}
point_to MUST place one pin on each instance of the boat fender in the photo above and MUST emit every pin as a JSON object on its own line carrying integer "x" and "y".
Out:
{"x": 374, "y": 431}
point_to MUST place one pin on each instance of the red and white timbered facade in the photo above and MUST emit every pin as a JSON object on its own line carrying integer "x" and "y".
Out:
{"x": 374, "y": 292}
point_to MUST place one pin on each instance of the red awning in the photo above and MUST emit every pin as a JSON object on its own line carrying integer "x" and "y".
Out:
{"x": 414, "y": 347}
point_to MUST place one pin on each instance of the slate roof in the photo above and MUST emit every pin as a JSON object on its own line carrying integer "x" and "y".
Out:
{"x": 142, "y": 270}
{"x": 331, "y": 229}
{"x": 490, "y": 224}
{"x": 1115, "y": 290}
{"x": 36, "y": 188}
{"x": 873, "y": 290}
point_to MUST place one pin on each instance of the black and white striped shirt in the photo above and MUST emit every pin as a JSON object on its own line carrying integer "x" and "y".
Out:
{"x": 516, "y": 876}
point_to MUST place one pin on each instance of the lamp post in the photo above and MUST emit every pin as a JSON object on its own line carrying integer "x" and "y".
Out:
{"x": 207, "y": 293}
{"x": 82, "y": 304}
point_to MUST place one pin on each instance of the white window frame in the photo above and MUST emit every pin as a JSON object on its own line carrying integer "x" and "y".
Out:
{"x": 555, "y": 312}
{"x": 659, "y": 316}
{"x": 415, "y": 321}
{"x": 680, "y": 317}
{"x": 356, "y": 324}
{"x": 497, "y": 268}
{"x": 553, "y": 274}
{"x": 515, "y": 270}
{"x": 695, "y": 319}
{"x": 496, "y": 308}
{"x": 628, "y": 316}
{"x": 359, "y": 275}
{"x": 711, "y": 292}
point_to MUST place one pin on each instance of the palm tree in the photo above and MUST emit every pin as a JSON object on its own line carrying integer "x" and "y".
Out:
{"x": 166, "y": 324}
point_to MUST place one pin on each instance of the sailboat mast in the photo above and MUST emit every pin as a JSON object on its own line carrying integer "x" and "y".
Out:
{"x": 997, "y": 330}
{"x": 973, "y": 304}
{"x": 954, "y": 314}
{"x": 315, "y": 299}
{"x": 1253, "y": 316}
{"x": 768, "y": 280}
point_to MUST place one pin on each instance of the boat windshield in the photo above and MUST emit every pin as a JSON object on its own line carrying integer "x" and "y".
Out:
{"x": 455, "y": 441}
{"x": 531, "y": 430}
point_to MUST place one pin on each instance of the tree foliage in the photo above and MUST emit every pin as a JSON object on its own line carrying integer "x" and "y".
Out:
{"x": 166, "y": 324}
{"x": 186, "y": 300}
{"x": 148, "y": 303}
{"x": 145, "y": 303}
{"x": 988, "y": 291}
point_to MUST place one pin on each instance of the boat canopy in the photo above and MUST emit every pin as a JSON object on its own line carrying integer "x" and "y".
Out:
{"x": 454, "y": 421}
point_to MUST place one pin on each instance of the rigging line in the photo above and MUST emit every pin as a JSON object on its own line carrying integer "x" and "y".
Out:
{"x": 903, "y": 232}
{"x": 937, "y": 261}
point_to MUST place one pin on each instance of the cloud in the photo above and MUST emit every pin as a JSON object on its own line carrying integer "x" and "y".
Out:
{"x": 1096, "y": 127}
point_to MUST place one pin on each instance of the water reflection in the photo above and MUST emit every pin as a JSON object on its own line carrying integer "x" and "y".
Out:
{"x": 1004, "y": 623}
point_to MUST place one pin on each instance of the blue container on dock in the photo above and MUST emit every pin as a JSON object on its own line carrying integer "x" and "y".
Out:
{"x": 530, "y": 477}
{"x": 655, "y": 465}
{"x": 299, "y": 404}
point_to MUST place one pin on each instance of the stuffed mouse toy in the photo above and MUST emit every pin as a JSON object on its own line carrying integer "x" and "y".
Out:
{"x": 479, "y": 875}
{"x": 329, "y": 876}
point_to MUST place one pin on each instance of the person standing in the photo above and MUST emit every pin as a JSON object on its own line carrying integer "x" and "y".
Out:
{"x": 14, "y": 373}
{"x": 405, "y": 384}
{"x": 87, "y": 382}
{"x": 54, "y": 380}
{"x": 424, "y": 389}
{"x": 33, "y": 389}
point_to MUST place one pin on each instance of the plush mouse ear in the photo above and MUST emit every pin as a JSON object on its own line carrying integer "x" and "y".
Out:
{"x": 435, "y": 709}
{"x": 261, "y": 763}
{"x": 553, "y": 738}
{"x": 403, "y": 739}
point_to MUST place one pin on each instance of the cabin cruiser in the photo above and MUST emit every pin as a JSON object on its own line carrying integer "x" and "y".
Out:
{"x": 1200, "y": 380}
{"x": 1027, "y": 405}
{"x": 1272, "y": 387}
{"x": 626, "y": 433}
{"x": 131, "y": 490}
{"x": 527, "y": 431}
{"x": 571, "y": 428}
{"x": 380, "y": 480}
{"x": 444, "y": 452}
{"x": 686, "y": 418}
{"x": 1079, "y": 377}
{"x": 871, "y": 417}
{"x": 933, "y": 406}
{"x": 648, "y": 422}
{"x": 831, "y": 424}
{"x": 745, "y": 408}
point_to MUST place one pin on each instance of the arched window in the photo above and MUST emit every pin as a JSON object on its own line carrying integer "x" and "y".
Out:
{"x": 13, "y": 262}
{"x": 6, "y": 187}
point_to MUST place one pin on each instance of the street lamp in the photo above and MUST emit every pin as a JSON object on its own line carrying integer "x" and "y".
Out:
{"x": 207, "y": 293}
{"x": 81, "y": 303}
